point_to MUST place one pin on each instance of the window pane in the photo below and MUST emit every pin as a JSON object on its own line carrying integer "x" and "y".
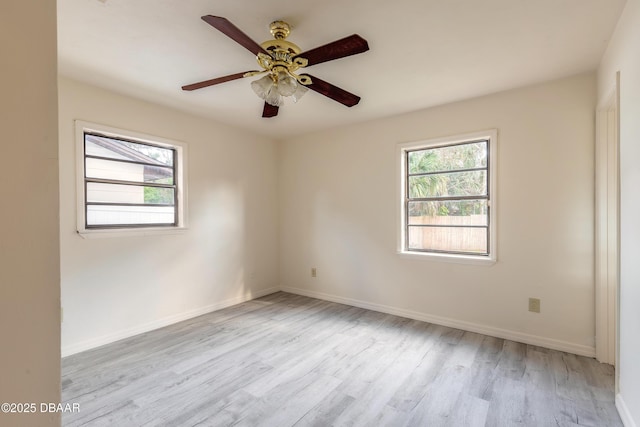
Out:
{"x": 463, "y": 156}
{"x": 119, "y": 193}
{"x": 127, "y": 215}
{"x": 450, "y": 239}
{"x": 124, "y": 150}
{"x": 448, "y": 184}
{"x": 462, "y": 212}
{"x": 107, "y": 169}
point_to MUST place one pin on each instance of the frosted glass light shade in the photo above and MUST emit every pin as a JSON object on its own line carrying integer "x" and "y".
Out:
{"x": 266, "y": 89}
{"x": 273, "y": 97}
{"x": 273, "y": 92}
{"x": 262, "y": 86}
{"x": 300, "y": 90}
{"x": 287, "y": 85}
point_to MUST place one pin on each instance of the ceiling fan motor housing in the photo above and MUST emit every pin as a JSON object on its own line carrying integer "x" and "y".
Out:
{"x": 281, "y": 53}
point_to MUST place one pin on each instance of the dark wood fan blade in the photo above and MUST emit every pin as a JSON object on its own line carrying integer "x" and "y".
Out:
{"x": 270, "y": 110}
{"x": 333, "y": 92}
{"x": 347, "y": 46}
{"x": 227, "y": 28}
{"x": 212, "y": 82}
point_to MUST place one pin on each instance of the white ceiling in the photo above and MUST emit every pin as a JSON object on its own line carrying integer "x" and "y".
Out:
{"x": 423, "y": 52}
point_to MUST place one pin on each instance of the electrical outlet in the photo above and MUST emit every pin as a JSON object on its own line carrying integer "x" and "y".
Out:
{"x": 314, "y": 273}
{"x": 534, "y": 305}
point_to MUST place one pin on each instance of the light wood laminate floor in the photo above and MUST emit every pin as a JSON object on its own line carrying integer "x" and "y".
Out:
{"x": 286, "y": 360}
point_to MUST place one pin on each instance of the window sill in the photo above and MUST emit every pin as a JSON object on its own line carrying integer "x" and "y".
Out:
{"x": 133, "y": 232}
{"x": 456, "y": 259}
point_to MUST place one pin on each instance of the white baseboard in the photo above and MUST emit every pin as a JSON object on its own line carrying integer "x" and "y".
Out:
{"x": 581, "y": 350}
{"x": 160, "y": 323}
{"x": 625, "y": 415}
{"x": 551, "y": 343}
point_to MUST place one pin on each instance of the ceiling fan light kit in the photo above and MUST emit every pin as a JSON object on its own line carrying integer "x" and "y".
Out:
{"x": 276, "y": 85}
{"x": 280, "y": 60}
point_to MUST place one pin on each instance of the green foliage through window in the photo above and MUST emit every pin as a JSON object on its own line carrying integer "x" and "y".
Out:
{"x": 447, "y": 205}
{"x": 444, "y": 172}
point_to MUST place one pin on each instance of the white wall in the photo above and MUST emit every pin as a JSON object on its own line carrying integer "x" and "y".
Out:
{"x": 338, "y": 213}
{"x": 622, "y": 55}
{"x": 118, "y": 286}
{"x": 29, "y": 242}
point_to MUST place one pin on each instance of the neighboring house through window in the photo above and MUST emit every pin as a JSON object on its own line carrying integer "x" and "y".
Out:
{"x": 128, "y": 181}
{"x": 448, "y": 197}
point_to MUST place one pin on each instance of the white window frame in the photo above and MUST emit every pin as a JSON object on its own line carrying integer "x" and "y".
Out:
{"x": 401, "y": 153}
{"x": 82, "y": 127}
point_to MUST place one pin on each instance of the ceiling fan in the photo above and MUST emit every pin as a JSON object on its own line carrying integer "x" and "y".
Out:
{"x": 280, "y": 60}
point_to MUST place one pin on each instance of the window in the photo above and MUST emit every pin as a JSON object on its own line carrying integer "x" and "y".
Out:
{"x": 128, "y": 181}
{"x": 448, "y": 197}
